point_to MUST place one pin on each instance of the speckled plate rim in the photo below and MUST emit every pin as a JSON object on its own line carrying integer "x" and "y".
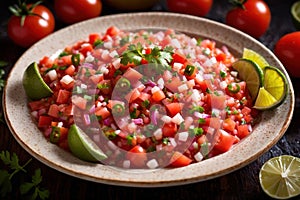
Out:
{"x": 272, "y": 127}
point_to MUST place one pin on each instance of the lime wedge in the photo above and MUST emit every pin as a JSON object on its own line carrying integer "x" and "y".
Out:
{"x": 251, "y": 73}
{"x": 275, "y": 82}
{"x": 279, "y": 177}
{"x": 274, "y": 91}
{"x": 33, "y": 83}
{"x": 255, "y": 57}
{"x": 264, "y": 100}
{"x": 82, "y": 146}
{"x": 295, "y": 11}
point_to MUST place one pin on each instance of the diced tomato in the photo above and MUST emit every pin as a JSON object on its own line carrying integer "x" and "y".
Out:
{"x": 224, "y": 141}
{"x": 217, "y": 102}
{"x": 158, "y": 96}
{"x": 112, "y": 31}
{"x": 44, "y": 121}
{"x": 242, "y": 131}
{"x": 65, "y": 60}
{"x": 53, "y": 111}
{"x": 103, "y": 112}
{"x": 221, "y": 57}
{"x": 173, "y": 84}
{"x": 70, "y": 70}
{"x": 63, "y": 96}
{"x": 137, "y": 156}
{"x": 36, "y": 105}
{"x": 133, "y": 95}
{"x": 85, "y": 48}
{"x": 179, "y": 160}
{"x": 96, "y": 78}
{"x": 132, "y": 75}
{"x": 93, "y": 37}
{"x": 174, "y": 108}
{"x": 179, "y": 58}
{"x": 46, "y": 62}
{"x": 229, "y": 124}
{"x": 79, "y": 102}
{"x": 169, "y": 129}
{"x": 213, "y": 122}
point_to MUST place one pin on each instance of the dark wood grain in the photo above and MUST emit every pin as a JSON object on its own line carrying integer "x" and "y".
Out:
{"x": 241, "y": 184}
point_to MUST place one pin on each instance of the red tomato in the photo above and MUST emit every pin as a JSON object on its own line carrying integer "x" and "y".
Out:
{"x": 193, "y": 7}
{"x": 137, "y": 156}
{"x": 169, "y": 129}
{"x": 252, "y": 17}
{"x": 72, "y": 11}
{"x": 179, "y": 160}
{"x": 287, "y": 50}
{"x": 35, "y": 26}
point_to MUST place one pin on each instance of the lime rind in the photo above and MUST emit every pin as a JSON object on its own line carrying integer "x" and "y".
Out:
{"x": 82, "y": 146}
{"x": 295, "y": 12}
{"x": 279, "y": 177}
{"x": 251, "y": 73}
{"x": 255, "y": 57}
{"x": 33, "y": 83}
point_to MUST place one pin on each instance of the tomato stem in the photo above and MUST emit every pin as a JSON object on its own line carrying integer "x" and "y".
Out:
{"x": 23, "y": 10}
{"x": 238, "y": 3}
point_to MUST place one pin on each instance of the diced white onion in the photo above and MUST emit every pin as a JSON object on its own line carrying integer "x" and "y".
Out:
{"x": 152, "y": 164}
{"x": 161, "y": 83}
{"x": 126, "y": 164}
{"x": 166, "y": 119}
{"x": 108, "y": 45}
{"x": 113, "y": 54}
{"x": 198, "y": 156}
{"x": 177, "y": 66}
{"x": 175, "y": 43}
{"x": 155, "y": 89}
{"x": 89, "y": 58}
{"x": 173, "y": 142}
{"x": 183, "y": 88}
{"x": 52, "y": 74}
{"x": 196, "y": 96}
{"x": 158, "y": 134}
{"x": 116, "y": 63}
{"x": 177, "y": 119}
{"x": 66, "y": 79}
{"x": 59, "y": 124}
{"x": 183, "y": 136}
{"x": 83, "y": 86}
{"x": 223, "y": 85}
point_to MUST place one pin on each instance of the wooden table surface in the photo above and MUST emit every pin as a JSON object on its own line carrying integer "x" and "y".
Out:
{"x": 240, "y": 184}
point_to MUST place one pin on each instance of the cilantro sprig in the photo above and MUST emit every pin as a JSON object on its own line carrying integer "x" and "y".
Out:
{"x": 8, "y": 176}
{"x": 161, "y": 58}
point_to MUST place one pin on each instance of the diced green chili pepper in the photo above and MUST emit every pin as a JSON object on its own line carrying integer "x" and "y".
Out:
{"x": 75, "y": 59}
{"x": 55, "y": 135}
{"x": 231, "y": 88}
{"x": 123, "y": 84}
{"x": 118, "y": 109}
{"x": 189, "y": 70}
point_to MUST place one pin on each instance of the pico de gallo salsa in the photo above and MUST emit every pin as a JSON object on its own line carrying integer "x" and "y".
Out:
{"x": 147, "y": 99}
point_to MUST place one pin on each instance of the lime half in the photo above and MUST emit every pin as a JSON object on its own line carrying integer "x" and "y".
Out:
{"x": 255, "y": 57}
{"x": 33, "y": 83}
{"x": 251, "y": 73}
{"x": 280, "y": 177}
{"x": 295, "y": 11}
{"x": 82, "y": 146}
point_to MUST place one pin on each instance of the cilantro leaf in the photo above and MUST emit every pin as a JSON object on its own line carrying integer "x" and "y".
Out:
{"x": 5, "y": 184}
{"x": 36, "y": 179}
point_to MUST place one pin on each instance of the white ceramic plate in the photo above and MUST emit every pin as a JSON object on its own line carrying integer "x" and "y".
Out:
{"x": 265, "y": 135}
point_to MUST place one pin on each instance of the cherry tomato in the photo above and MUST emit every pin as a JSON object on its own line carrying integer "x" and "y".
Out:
{"x": 39, "y": 22}
{"x": 193, "y": 7}
{"x": 287, "y": 50}
{"x": 72, "y": 11}
{"x": 252, "y": 17}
